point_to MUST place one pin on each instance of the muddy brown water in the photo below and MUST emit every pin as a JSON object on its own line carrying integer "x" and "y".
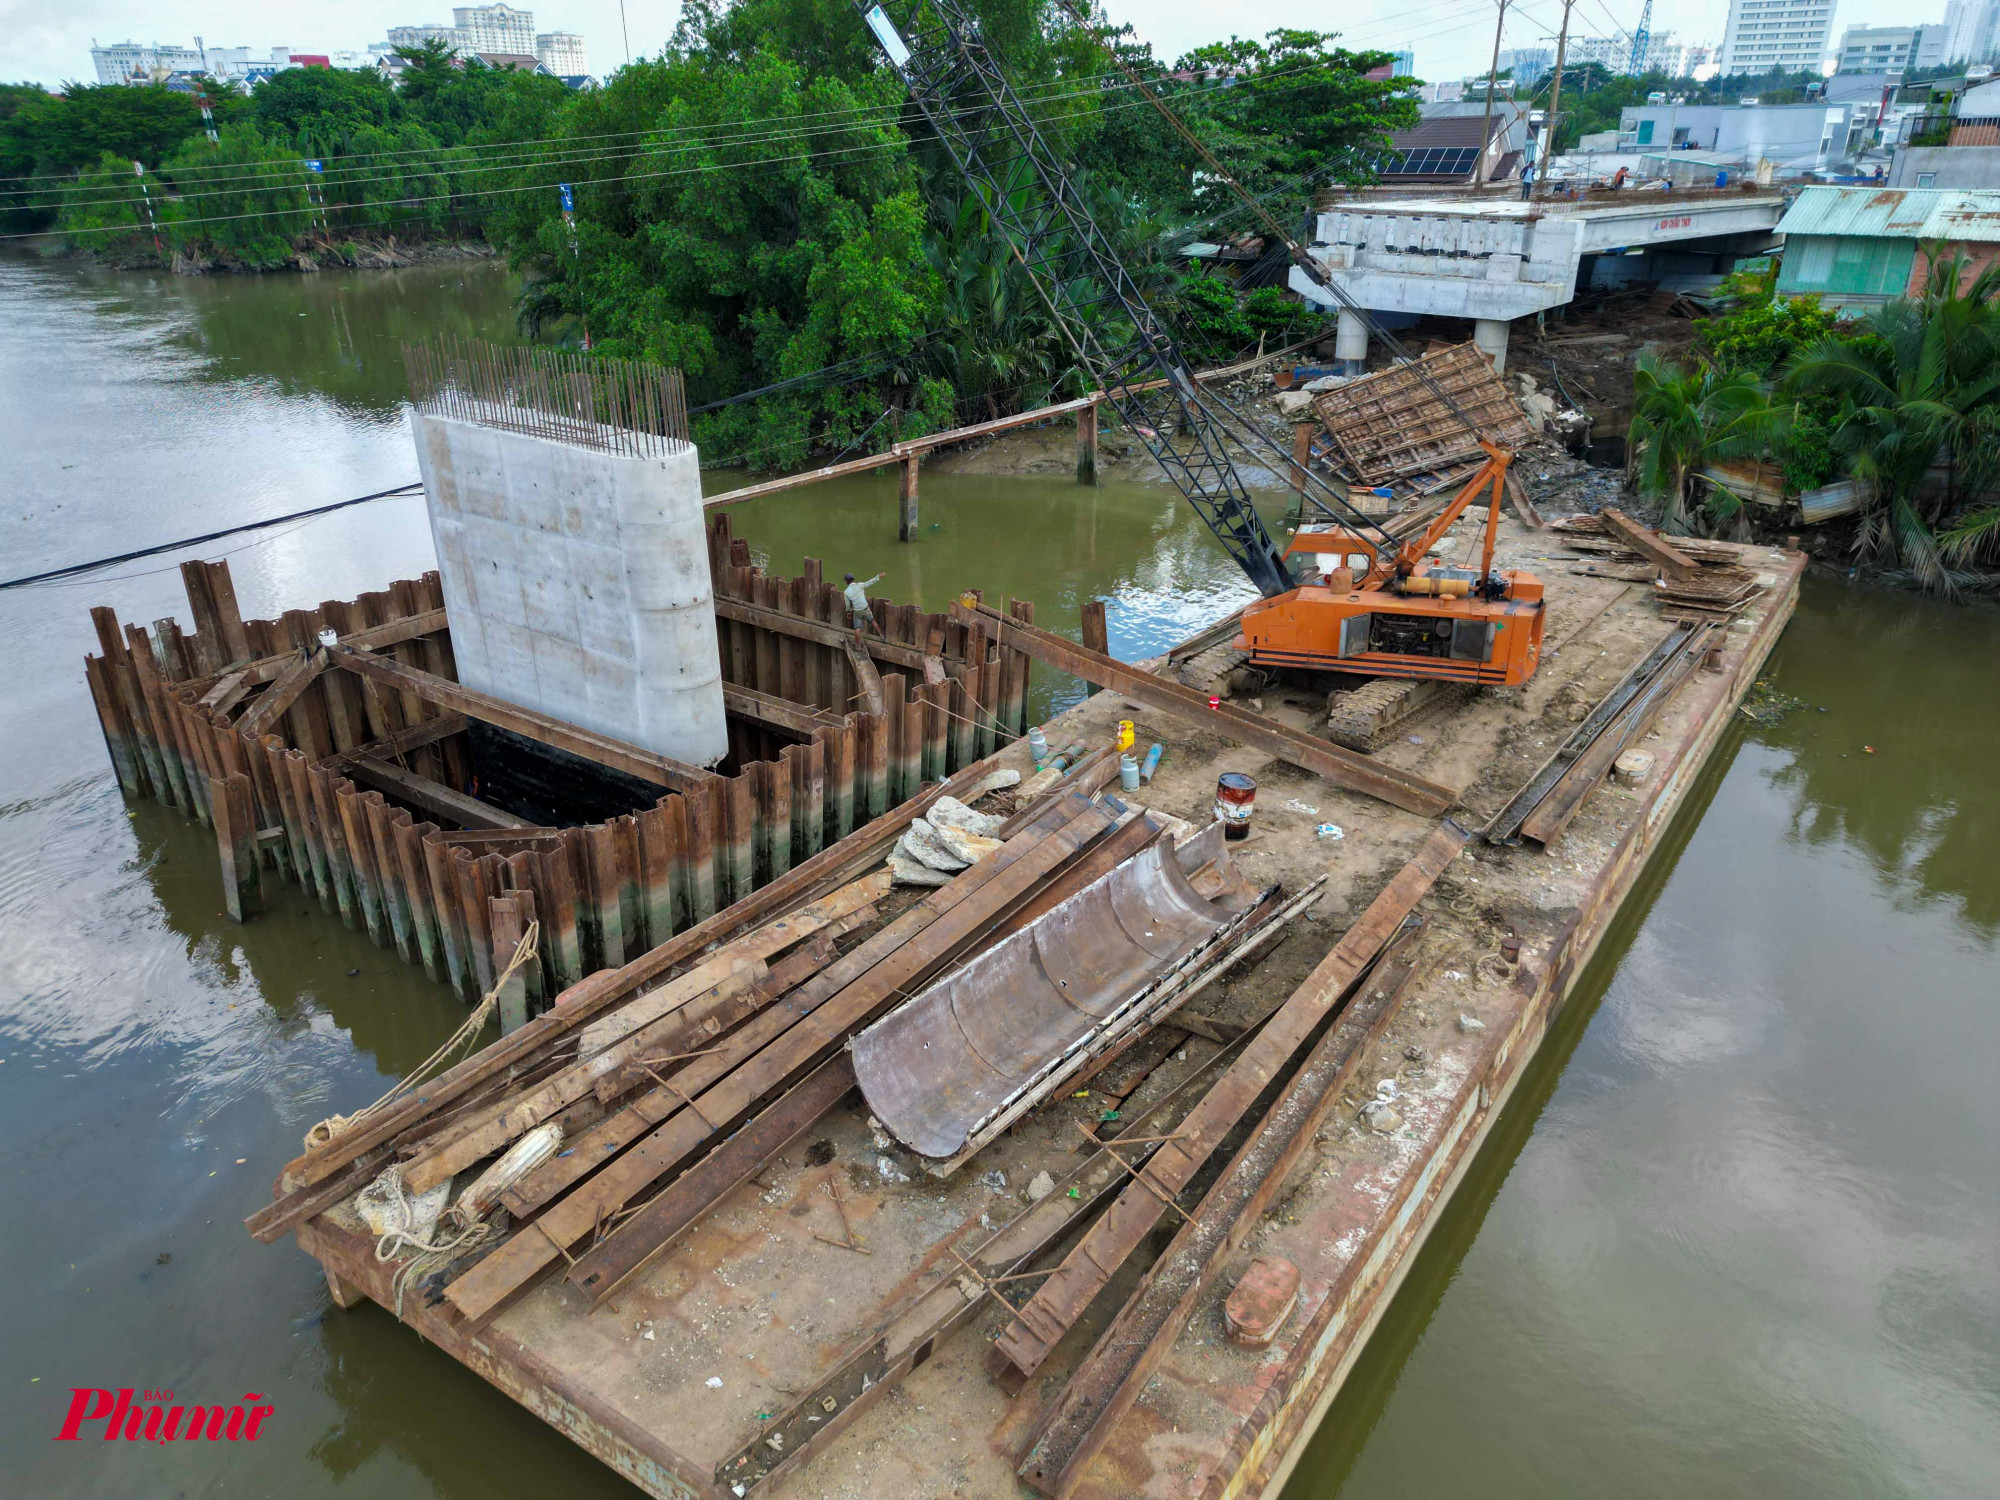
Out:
{"x": 1737, "y": 1234}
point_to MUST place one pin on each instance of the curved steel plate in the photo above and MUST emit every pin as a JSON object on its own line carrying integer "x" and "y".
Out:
{"x": 935, "y": 1068}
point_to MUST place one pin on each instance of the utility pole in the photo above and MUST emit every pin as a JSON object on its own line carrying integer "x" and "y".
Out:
{"x": 1492, "y": 80}
{"x": 1555, "y": 106}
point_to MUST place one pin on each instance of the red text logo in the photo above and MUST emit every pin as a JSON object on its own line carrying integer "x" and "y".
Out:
{"x": 153, "y": 1417}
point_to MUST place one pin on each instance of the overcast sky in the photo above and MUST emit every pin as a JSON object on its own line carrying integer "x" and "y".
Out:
{"x": 50, "y": 42}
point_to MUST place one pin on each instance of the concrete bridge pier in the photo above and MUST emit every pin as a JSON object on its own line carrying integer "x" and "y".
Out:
{"x": 1350, "y": 344}
{"x": 1489, "y": 337}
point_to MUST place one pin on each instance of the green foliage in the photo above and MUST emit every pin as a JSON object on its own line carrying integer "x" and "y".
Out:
{"x": 107, "y": 205}
{"x": 1213, "y": 325}
{"x": 49, "y": 136}
{"x": 1685, "y": 420}
{"x": 253, "y": 200}
{"x": 1918, "y": 389}
{"x": 1763, "y": 336}
{"x": 1807, "y": 449}
{"x": 318, "y": 109}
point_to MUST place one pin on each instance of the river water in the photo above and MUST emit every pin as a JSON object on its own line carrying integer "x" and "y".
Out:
{"x": 1736, "y": 1235}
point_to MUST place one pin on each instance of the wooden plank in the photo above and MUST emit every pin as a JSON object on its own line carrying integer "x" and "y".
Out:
{"x": 431, "y": 796}
{"x": 612, "y": 1041}
{"x": 781, "y": 713}
{"x": 820, "y": 1015}
{"x": 778, "y": 622}
{"x": 771, "y": 938}
{"x": 664, "y": 1220}
{"x": 602, "y": 748}
{"x": 228, "y": 691}
{"x": 1650, "y": 545}
{"x": 1041, "y": 1323}
{"x": 915, "y": 1326}
{"x": 443, "y": 727}
{"x": 283, "y": 692}
{"x": 1340, "y": 766}
{"x": 1128, "y": 1352}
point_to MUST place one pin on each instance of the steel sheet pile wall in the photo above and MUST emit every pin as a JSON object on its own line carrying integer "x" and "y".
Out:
{"x": 182, "y": 721}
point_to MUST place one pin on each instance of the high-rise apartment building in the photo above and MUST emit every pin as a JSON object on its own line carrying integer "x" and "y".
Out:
{"x": 124, "y": 62}
{"x": 1890, "y": 49}
{"x": 1969, "y": 30}
{"x": 561, "y": 52}
{"x": 495, "y": 28}
{"x": 1783, "y": 34}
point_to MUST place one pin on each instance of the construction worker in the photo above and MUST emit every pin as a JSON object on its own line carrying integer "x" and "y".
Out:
{"x": 858, "y": 614}
{"x": 1618, "y": 178}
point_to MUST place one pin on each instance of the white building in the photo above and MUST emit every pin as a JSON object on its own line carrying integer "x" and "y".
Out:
{"x": 1890, "y": 49}
{"x": 127, "y": 62}
{"x": 413, "y": 38}
{"x": 561, "y": 52}
{"x": 1785, "y": 34}
{"x": 495, "y": 28}
{"x": 1609, "y": 52}
{"x": 1969, "y": 27}
{"x": 1528, "y": 64}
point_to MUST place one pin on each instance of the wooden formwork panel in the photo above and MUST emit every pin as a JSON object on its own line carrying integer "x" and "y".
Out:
{"x": 1395, "y": 422}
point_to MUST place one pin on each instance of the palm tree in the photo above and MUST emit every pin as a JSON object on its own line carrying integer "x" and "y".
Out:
{"x": 1685, "y": 420}
{"x": 1920, "y": 386}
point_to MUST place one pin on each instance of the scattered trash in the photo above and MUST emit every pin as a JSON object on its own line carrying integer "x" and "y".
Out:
{"x": 1040, "y": 1186}
{"x": 828, "y": 1405}
{"x": 1297, "y": 806}
{"x": 1469, "y": 1024}
{"x": 715, "y": 1382}
{"x": 1453, "y": 974}
{"x": 647, "y": 1334}
{"x": 163, "y": 1257}
{"x": 1416, "y": 1054}
{"x": 1867, "y": 749}
{"x": 1075, "y": 1193}
{"x": 996, "y": 1180}
{"x": 1386, "y": 1089}
{"x": 886, "y": 1170}
{"x": 1764, "y": 704}
{"x": 1107, "y": 1117}
{"x": 1380, "y": 1115}
{"x": 1331, "y": 831}
{"x": 1416, "y": 739}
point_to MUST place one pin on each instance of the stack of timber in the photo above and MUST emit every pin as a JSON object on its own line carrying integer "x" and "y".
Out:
{"x": 1696, "y": 578}
{"x": 350, "y": 769}
{"x": 677, "y": 1078}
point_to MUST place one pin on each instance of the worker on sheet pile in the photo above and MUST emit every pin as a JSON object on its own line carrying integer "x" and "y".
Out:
{"x": 858, "y": 614}
{"x": 1618, "y": 178}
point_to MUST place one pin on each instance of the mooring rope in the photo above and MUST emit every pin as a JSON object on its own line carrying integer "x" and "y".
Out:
{"x": 334, "y": 1125}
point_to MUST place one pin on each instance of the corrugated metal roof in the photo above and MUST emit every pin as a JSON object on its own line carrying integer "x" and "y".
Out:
{"x": 1895, "y": 213}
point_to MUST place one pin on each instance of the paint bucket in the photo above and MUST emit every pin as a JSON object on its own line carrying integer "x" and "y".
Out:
{"x": 1128, "y": 772}
{"x": 1038, "y": 746}
{"x": 1235, "y": 800}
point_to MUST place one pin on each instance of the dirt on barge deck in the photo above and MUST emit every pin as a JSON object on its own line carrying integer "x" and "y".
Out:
{"x": 824, "y": 1329}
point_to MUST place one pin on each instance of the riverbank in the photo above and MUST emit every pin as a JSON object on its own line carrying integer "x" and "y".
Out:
{"x": 358, "y": 251}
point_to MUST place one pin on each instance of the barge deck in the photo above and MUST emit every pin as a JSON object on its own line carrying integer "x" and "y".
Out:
{"x": 799, "y": 1339}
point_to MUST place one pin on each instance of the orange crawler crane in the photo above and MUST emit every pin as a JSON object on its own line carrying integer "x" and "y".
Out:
{"x": 1407, "y": 615}
{"x": 1418, "y": 633}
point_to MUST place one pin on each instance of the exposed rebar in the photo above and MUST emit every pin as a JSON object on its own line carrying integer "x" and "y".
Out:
{"x": 623, "y": 406}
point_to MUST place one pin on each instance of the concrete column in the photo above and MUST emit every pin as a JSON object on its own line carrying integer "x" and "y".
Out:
{"x": 1350, "y": 344}
{"x": 1489, "y": 337}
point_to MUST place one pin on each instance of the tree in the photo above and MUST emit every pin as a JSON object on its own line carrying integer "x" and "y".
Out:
{"x": 104, "y": 209}
{"x": 1919, "y": 387}
{"x": 1685, "y": 420}
{"x": 254, "y": 199}
{"x": 316, "y": 109}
